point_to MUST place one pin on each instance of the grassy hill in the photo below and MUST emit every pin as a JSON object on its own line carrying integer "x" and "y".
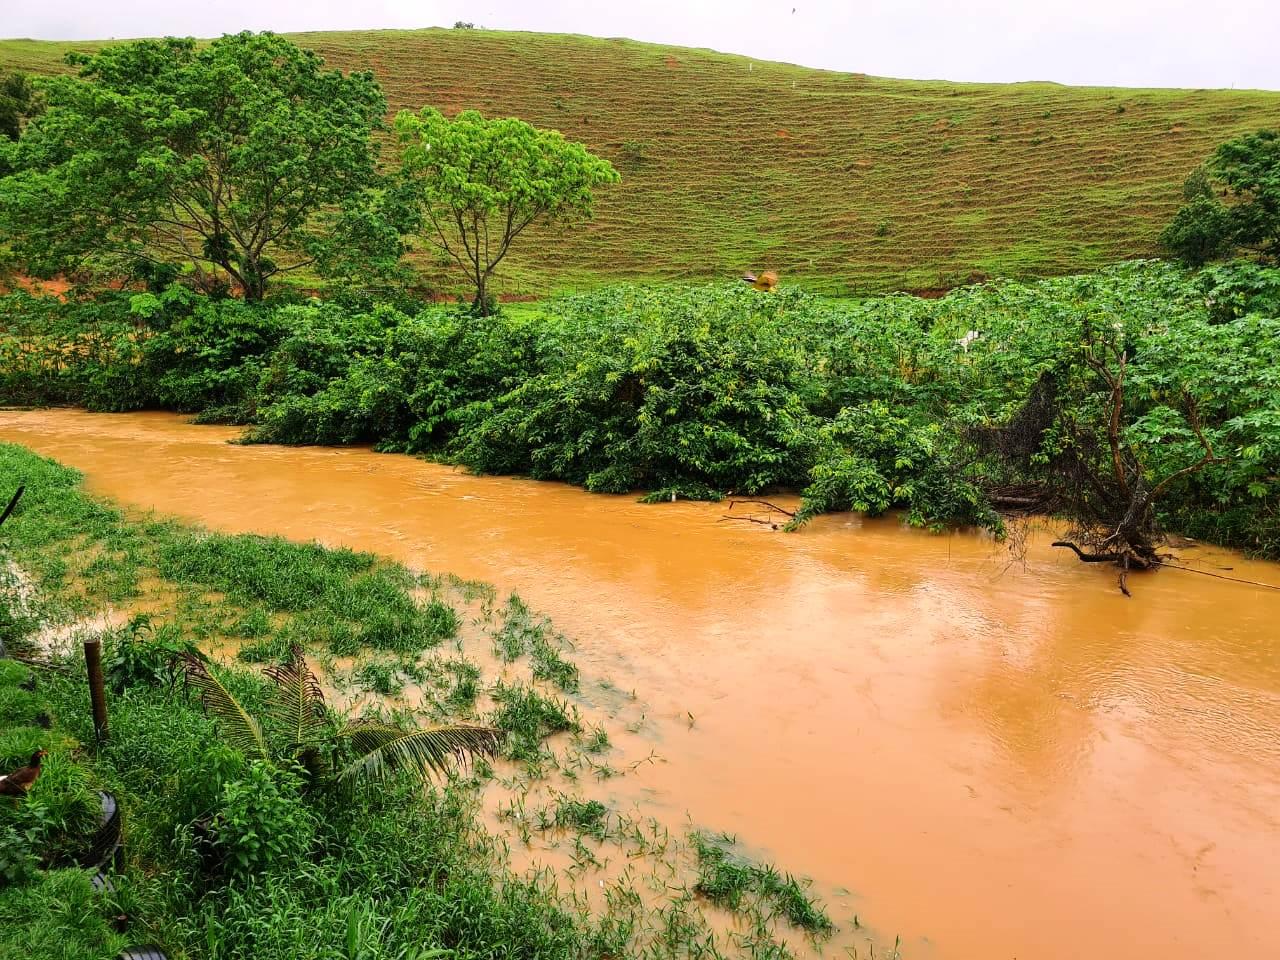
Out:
{"x": 846, "y": 182}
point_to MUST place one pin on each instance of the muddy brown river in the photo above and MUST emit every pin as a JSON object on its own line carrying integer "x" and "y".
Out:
{"x": 999, "y": 761}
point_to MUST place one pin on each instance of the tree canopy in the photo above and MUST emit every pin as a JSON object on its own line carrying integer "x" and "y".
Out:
{"x": 235, "y": 155}
{"x": 1245, "y": 172}
{"x": 479, "y": 183}
{"x": 18, "y": 101}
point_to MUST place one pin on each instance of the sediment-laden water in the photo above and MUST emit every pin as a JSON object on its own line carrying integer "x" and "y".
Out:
{"x": 998, "y": 759}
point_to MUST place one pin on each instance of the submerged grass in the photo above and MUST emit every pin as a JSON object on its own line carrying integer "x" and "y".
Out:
{"x": 520, "y": 633}
{"x": 389, "y": 874}
{"x": 729, "y": 879}
{"x": 584, "y": 816}
{"x": 529, "y": 717}
{"x": 268, "y": 591}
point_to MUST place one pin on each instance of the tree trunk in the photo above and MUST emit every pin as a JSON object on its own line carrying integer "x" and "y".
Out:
{"x": 255, "y": 288}
{"x": 254, "y": 284}
{"x": 480, "y": 306}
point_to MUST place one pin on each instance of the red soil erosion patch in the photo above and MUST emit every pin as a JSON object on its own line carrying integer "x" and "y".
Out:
{"x": 56, "y": 287}
{"x": 60, "y": 287}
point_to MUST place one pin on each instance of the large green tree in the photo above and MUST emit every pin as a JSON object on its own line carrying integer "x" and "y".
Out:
{"x": 235, "y": 156}
{"x": 479, "y": 183}
{"x": 1245, "y": 172}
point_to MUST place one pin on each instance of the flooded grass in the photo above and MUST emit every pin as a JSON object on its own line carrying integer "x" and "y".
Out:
{"x": 271, "y": 592}
{"x": 408, "y": 647}
{"x": 739, "y": 884}
{"x": 521, "y": 633}
{"x": 529, "y": 717}
{"x": 583, "y": 816}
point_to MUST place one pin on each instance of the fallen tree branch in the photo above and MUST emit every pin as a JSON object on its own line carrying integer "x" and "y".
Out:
{"x": 767, "y": 523}
{"x": 1006, "y": 501}
{"x": 764, "y": 503}
{"x": 1089, "y": 557}
{"x": 1117, "y": 558}
{"x": 1218, "y": 576}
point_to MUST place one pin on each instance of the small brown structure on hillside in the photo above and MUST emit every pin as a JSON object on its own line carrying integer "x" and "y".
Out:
{"x": 765, "y": 281}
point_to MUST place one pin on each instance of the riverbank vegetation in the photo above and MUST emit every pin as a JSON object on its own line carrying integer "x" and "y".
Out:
{"x": 238, "y": 839}
{"x": 996, "y": 396}
{"x": 1098, "y": 397}
{"x": 260, "y": 688}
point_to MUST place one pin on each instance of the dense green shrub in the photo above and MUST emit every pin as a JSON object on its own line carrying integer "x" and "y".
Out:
{"x": 207, "y": 354}
{"x": 138, "y": 654}
{"x": 261, "y": 824}
{"x": 874, "y": 459}
{"x": 693, "y": 395}
{"x": 385, "y": 377}
{"x": 707, "y": 391}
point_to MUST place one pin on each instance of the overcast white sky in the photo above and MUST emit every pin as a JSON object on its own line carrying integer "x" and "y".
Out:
{"x": 1172, "y": 43}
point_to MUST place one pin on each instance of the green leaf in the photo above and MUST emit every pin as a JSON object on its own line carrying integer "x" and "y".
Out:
{"x": 299, "y": 701}
{"x": 239, "y": 729}
{"x": 384, "y": 749}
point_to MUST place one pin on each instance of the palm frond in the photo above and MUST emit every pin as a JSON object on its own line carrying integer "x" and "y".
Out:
{"x": 299, "y": 701}
{"x": 384, "y": 749}
{"x": 239, "y": 729}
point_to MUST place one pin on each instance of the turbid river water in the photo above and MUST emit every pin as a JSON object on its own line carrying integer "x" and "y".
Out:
{"x": 998, "y": 760}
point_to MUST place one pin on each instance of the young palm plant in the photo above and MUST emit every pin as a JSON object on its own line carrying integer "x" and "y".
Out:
{"x": 297, "y": 710}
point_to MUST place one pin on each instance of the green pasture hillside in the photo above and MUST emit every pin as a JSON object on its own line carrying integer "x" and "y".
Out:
{"x": 846, "y": 182}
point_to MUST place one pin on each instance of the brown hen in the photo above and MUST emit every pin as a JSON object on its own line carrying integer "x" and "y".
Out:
{"x": 17, "y": 784}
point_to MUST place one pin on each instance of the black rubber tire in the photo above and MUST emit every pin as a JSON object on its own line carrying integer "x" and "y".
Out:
{"x": 141, "y": 953}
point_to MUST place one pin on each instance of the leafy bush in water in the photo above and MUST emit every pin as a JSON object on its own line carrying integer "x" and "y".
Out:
{"x": 874, "y": 459}
{"x": 704, "y": 391}
{"x": 657, "y": 389}
{"x": 1231, "y": 366}
{"x": 386, "y": 377}
{"x": 207, "y": 354}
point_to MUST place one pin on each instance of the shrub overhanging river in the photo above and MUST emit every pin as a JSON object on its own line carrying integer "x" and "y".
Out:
{"x": 998, "y": 759}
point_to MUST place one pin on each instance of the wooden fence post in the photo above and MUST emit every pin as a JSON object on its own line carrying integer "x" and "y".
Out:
{"x": 97, "y": 688}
